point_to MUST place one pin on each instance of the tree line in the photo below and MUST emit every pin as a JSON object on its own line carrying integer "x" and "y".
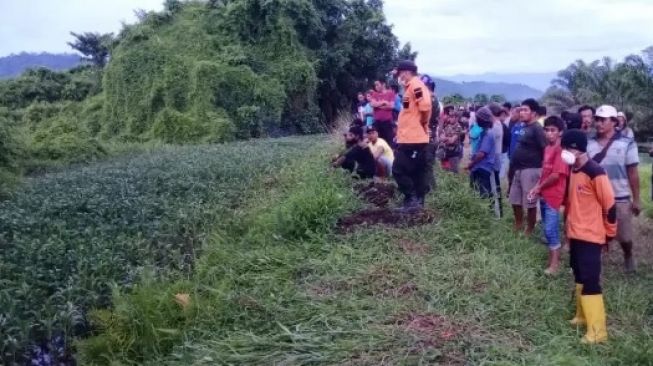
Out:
{"x": 628, "y": 85}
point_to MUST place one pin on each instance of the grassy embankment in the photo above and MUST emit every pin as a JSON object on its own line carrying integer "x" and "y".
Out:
{"x": 275, "y": 284}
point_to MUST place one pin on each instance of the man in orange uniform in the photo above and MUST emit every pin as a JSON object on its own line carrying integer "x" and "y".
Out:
{"x": 413, "y": 165}
{"x": 591, "y": 221}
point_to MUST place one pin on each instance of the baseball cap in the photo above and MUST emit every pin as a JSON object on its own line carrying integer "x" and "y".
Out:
{"x": 574, "y": 139}
{"x": 606, "y": 111}
{"x": 407, "y": 65}
{"x": 621, "y": 114}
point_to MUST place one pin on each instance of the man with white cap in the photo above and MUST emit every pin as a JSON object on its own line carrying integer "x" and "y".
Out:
{"x": 618, "y": 155}
{"x": 623, "y": 126}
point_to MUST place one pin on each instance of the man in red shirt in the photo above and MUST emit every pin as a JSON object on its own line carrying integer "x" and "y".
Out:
{"x": 551, "y": 189}
{"x": 383, "y": 101}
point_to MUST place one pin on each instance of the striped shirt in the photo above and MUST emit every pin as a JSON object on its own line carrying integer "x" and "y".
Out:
{"x": 621, "y": 154}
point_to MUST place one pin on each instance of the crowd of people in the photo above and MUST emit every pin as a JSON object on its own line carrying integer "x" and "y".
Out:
{"x": 580, "y": 169}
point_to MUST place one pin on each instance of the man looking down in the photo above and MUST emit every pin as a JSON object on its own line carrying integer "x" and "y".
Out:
{"x": 413, "y": 166}
{"x": 358, "y": 155}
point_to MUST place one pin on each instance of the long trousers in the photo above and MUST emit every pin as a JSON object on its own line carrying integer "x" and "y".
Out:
{"x": 585, "y": 261}
{"x": 413, "y": 169}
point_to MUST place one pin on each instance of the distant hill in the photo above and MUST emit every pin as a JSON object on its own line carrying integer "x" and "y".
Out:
{"x": 512, "y": 92}
{"x": 540, "y": 81}
{"x": 13, "y": 65}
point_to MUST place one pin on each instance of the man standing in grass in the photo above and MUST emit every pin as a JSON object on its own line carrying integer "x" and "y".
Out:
{"x": 482, "y": 165}
{"x": 526, "y": 165}
{"x": 413, "y": 166}
{"x": 551, "y": 188}
{"x": 591, "y": 220}
{"x": 383, "y": 101}
{"x": 498, "y": 113}
{"x": 619, "y": 156}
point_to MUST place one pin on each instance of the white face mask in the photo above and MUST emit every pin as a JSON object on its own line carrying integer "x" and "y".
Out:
{"x": 568, "y": 157}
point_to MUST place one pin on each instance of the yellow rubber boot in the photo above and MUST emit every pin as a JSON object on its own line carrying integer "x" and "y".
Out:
{"x": 579, "y": 318}
{"x": 594, "y": 311}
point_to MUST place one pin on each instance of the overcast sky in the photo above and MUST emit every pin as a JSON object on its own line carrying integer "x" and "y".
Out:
{"x": 452, "y": 36}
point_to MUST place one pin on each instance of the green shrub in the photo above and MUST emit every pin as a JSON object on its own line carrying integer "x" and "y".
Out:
{"x": 65, "y": 140}
{"x": 176, "y": 128}
{"x": 92, "y": 114}
{"x": 37, "y": 114}
{"x": 11, "y": 155}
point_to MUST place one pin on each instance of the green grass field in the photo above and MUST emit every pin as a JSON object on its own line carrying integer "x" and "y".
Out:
{"x": 272, "y": 283}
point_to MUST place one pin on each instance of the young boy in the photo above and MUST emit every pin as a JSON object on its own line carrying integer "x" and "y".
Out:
{"x": 551, "y": 190}
{"x": 481, "y": 166}
{"x": 358, "y": 155}
{"x": 591, "y": 222}
{"x": 368, "y": 110}
{"x": 383, "y": 154}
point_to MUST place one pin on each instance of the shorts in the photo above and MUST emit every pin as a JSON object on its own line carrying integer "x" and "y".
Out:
{"x": 523, "y": 182}
{"x": 624, "y": 222}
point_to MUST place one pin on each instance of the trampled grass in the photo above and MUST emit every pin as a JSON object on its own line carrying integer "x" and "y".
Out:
{"x": 276, "y": 285}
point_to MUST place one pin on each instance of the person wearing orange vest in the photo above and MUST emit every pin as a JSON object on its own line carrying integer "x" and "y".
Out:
{"x": 414, "y": 158}
{"x": 591, "y": 222}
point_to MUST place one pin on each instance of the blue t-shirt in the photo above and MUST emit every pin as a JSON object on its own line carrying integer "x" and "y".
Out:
{"x": 397, "y": 106}
{"x": 368, "y": 111}
{"x": 515, "y": 134}
{"x": 475, "y": 137}
{"x": 486, "y": 145}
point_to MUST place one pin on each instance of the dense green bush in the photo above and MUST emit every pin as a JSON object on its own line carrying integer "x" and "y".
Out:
{"x": 43, "y": 85}
{"x": 65, "y": 139}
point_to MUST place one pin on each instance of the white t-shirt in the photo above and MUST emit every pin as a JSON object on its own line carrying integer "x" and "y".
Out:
{"x": 497, "y": 131}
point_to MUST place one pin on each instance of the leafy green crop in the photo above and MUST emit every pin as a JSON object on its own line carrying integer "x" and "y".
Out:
{"x": 67, "y": 237}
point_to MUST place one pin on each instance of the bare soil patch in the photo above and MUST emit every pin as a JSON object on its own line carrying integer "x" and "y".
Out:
{"x": 385, "y": 217}
{"x": 376, "y": 193}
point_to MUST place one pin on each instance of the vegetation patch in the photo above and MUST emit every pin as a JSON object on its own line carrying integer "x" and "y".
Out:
{"x": 73, "y": 239}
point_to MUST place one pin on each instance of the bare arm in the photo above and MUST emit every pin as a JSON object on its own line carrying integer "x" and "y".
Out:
{"x": 551, "y": 180}
{"x": 338, "y": 162}
{"x": 633, "y": 180}
{"x": 475, "y": 159}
